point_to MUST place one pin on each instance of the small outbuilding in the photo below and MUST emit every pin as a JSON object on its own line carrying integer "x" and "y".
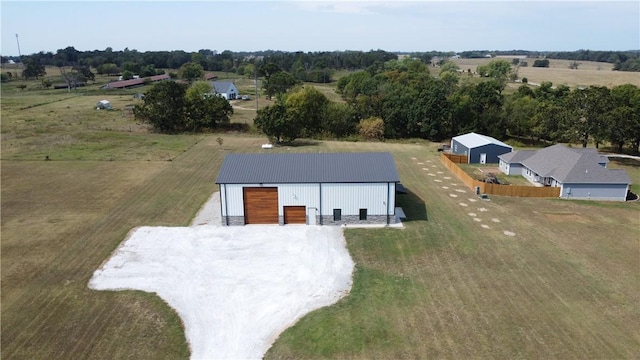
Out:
{"x": 479, "y": 149}
{"x": 103, "y": 104}
{"x": 308, "y": 188}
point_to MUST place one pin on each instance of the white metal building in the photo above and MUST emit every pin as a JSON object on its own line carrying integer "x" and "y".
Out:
{"x": 308, "y": 188}
{"x": 479, "y": 149}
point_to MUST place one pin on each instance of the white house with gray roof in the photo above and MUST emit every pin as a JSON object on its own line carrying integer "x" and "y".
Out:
{"x": 225, "y": 89}
{"x": 479, "y": 149}
{"x": 581, "y": 173}
{"x": 308, "y": 188}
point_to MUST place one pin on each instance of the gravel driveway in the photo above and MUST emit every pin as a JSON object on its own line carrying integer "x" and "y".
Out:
{"x": 235, "y": 288}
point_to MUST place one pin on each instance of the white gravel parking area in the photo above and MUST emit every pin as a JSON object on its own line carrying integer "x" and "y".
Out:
{"x": 235, "y": 288}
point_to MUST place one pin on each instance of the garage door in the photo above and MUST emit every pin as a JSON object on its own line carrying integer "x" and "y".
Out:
{"x": 260, "y": 205}
{"x": 295, "y": 215}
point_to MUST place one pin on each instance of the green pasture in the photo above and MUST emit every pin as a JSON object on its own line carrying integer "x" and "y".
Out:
{"x": 543, "y": 278}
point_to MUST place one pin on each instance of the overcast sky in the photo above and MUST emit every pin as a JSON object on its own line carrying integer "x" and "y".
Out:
{"x": 320, "y": 26}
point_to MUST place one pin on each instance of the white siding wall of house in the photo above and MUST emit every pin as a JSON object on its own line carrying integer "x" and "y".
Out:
{"x": 511, "y": 169}
{"x": 617, "y": 192}
{"x": 530, "y": 175}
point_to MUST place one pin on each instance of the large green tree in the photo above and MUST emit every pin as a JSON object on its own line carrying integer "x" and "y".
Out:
{"x": 191, "y": 71}
{"x": 279, "y": 83}
{"x": 624, "y": 118}
{"x": 340, "y": 120}
{"x": 33, "y": 68}
{"x": 497, "y": 69}
{"x": 275, "y": 122}
{"x": 164, "y": 107}
{"x": 203, "y": 109}
{"x": 308, "y": 106}
{"x": 587, "y": 111}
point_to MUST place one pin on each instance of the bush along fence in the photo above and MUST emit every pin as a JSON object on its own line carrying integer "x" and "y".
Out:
{"x": 450, "y": 161}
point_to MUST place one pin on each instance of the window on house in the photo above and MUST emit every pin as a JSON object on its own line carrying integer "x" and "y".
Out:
{"x": 363, "y": 214}
{"x": 337, "y": 214}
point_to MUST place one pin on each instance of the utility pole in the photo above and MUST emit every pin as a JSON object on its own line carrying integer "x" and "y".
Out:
{"x": 19, "y": 54}
{"x": 255, "y": 82}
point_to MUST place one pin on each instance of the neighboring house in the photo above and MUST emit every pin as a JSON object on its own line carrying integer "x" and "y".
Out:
{"x": 210, "y": 76}
{"x": 479, "y": 149}
{"x": 308, "y": 188}
{"x": 580, "y": 173}
{"x": 225, "y": 89}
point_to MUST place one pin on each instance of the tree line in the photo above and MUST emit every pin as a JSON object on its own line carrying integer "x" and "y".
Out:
{"x": 401, "y": 99}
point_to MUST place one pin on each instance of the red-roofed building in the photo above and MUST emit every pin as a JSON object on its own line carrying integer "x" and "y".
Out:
{"x": 135, "y": 82}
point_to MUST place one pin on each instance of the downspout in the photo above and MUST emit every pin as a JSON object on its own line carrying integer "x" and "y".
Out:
{"x": 388, "y": 198}
{"x": 226, "y": 208}
{"x": 320, "y": 202}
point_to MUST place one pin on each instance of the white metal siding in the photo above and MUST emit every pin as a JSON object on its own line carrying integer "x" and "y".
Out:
{"x": 235, "y": 200}
{"x": 350, "y": 198}
{"x": 298, "y": 195}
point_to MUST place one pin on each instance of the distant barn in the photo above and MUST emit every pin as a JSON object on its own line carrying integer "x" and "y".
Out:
{"x": 479, "y": 149}
{"x": 125, "y": 84}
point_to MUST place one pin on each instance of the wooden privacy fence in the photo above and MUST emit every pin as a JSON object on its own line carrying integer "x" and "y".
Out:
{"x": 495, "y": 189}
{"x": 455, "y": 158}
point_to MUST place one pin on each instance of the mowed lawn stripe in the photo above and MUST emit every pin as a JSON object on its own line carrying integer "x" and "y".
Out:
{"x": 162, "y": 201}
{"x": 478, "y": 293}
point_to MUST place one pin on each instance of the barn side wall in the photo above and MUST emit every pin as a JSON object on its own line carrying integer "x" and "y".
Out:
{"x": 458, "y": 148}
{"x": 320, "y": 201}
{"x": 492, "y": 151}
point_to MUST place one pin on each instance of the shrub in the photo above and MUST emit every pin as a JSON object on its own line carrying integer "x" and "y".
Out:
{"x": 541, "y": 63}
{"x": 371, "y": 128}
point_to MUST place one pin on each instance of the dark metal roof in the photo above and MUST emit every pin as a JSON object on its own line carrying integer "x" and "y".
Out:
{"x": 308, "y": 168}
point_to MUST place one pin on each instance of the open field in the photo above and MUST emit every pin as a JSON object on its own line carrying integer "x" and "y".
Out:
{"x": 564, "y": 286}
{"x": 507, "y": 278}
{"x": 558, "y": 72}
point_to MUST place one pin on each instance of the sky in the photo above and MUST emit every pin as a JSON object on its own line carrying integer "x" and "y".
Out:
{"x": 310, "y": 26}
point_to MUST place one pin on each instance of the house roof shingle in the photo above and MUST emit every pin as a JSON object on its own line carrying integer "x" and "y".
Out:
{"x": 516, "y": 156}
{"x": 570, "y": 165}
{"x": 221, "y": 87}
{"x": 308, "y": 168}
{"x": 473, "y": 140}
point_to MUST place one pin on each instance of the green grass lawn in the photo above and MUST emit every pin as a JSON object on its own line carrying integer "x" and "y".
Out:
{"x": 505, "y": 278}
{"x": 545, "y": 278}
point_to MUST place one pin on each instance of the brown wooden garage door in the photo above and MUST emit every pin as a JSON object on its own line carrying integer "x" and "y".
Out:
{"x": 295, "y": 215}
{"x": 260, "y": 205}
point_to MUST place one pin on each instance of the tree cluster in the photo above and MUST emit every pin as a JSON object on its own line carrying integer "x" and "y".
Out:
{"x": 412, "y": 103}
{"x": 172, "y": 107}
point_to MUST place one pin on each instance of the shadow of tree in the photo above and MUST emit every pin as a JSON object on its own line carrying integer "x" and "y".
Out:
{"x": 412, "y": 205}
{"x": 625, "y": 161}
{"x": 299, "y": 142}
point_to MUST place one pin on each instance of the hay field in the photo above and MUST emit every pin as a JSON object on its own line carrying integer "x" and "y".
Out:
{"x": 558, "y": 72}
